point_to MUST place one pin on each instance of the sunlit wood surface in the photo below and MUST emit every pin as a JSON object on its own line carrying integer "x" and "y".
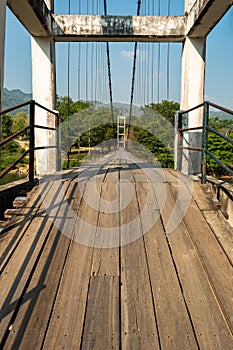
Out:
{"x": 117, "y": 255}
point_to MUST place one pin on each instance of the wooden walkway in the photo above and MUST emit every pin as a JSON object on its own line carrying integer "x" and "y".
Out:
{"x": 119, "y": 255}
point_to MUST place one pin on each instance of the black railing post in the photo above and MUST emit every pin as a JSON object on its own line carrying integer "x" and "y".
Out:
{"x": 58, "y": 143}
{"x": 32, "y": 141}
{"x": 205, "y": 142}
{"x": 179, "y": 141}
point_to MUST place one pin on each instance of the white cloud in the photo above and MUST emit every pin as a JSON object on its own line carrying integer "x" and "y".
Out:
{"x": 130, "y": 54}
{"x": 127, "y": 54}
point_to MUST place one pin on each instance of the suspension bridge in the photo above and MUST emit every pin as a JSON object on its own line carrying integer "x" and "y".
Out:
{"x": 118, "y": 252}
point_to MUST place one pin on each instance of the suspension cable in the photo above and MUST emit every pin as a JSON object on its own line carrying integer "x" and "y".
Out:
{"x": 109, "y": 67}
{"x": 168, "y": 84}
{"x": 168, "y": 57}
{"x": 133, "y": 75}
{"x": 159, "y": 57}
{"x": 68, "y": 93}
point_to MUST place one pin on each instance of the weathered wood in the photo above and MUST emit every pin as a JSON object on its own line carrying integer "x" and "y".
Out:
{"x": 102, "y": 323}
{"x": 211, "y": 328}
{"x": 204, "y": 201}
{"x": 66, "y": 324}
{"x": 223, "y": 233}
{"x": 29, "y": 327}
{"x": 155, "y": 282}
{"x": 174, "y": 325}
{"x": 106, "y": 252}
{"x": 213, "y": 258}
{"x": 12, "y": 235}
{"x": 22, "y": 263}
{"x": 138, "y": 324}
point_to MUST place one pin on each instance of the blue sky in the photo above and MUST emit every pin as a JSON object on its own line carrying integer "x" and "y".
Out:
{"x": 219, "y": 67}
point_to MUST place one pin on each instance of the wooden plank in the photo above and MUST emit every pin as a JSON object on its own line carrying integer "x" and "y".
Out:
{"x": 106, "y": 252}
{"x": 101, "y": 327}
{"x": 29, "y": 327}
{"x": 174, "y": 324}
{"x": 67, "y": 318}
{"x": 138, "y": 324}
{"x": 149, "y": 171}
{"x": 10, "y": 239}
{"x": 66, "y": 324}
{"x": 16, "y": 273}
{"x": 213, "y": 258}
{"x": 210, "y": 325}
{"x": 223, "y": 233}
{"x": 102, "y": 324}
{"x": 12, "y": 235}
{"x": 203, "y": 196}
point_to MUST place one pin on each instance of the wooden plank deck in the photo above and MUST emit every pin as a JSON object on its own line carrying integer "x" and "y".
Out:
{"x": 117, "y": 255}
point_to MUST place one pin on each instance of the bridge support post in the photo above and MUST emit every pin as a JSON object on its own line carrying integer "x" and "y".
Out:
{"x": 2, "y": 47}
{"x": 44, "y": 92}
{"x": 192, "y": 94}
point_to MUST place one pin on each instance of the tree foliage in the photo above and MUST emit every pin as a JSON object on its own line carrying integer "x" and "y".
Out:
{"x": 221, "y": 148}
{"x": 6, "y": 126}
{"x": 154, "y": 130}
{"x": 67, "y": 107}
{"x": 166, "y": 108}
{"x": 19, "y": 121}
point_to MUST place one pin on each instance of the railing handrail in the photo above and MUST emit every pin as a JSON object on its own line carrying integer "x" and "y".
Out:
{"x": 31, "y": 127}
{"x": 192, "y": 109}
{"x": 8, "y": 110}
{"x": 224, "y": 109}
{"x": 11, "y": 137}
{"x": 46, "y": 109}
{"x": 205, "y": 127}
{"x": 219, "y": 134}
{"x": 11, "y": 109}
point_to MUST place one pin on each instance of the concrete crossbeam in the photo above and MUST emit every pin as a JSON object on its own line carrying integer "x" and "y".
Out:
{"x": 204, "y": 15}
{"x": 33, "y": 14}
{"x": 119, "y": 28}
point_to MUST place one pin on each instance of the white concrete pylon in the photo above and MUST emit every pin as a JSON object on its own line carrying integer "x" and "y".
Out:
{"x": 44, "y": 92}
{"x": 192, "y": 94}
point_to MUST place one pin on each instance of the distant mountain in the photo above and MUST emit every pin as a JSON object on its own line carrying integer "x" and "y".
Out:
{"x": 15, "y": 97}
{"x": 124, "y": 108}
{"x": 221, "y": 115}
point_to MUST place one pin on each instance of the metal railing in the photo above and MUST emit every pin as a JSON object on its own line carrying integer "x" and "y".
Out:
{"x": 205, "y": 131}
{"x": 31, "y": 127}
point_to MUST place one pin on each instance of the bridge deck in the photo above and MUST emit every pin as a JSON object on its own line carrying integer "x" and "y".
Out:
{"x": 119, "y": 255}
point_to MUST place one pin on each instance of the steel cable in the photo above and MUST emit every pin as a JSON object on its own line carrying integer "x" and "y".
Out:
{"x": 133, "y": 75}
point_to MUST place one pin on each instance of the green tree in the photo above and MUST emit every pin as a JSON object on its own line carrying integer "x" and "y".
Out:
{"x": 223, "y": 150}
{"x": 166, "y": 108}
{"x": 155, "y": 130}
{"x": 19, "y": 121}
{"x": 6, "y": 125}
{"x": 67, "y": 107}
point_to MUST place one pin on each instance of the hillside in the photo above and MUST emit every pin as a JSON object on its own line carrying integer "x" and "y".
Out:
{"x": 15, "y": 97}
{"x": 221, "y": 115}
